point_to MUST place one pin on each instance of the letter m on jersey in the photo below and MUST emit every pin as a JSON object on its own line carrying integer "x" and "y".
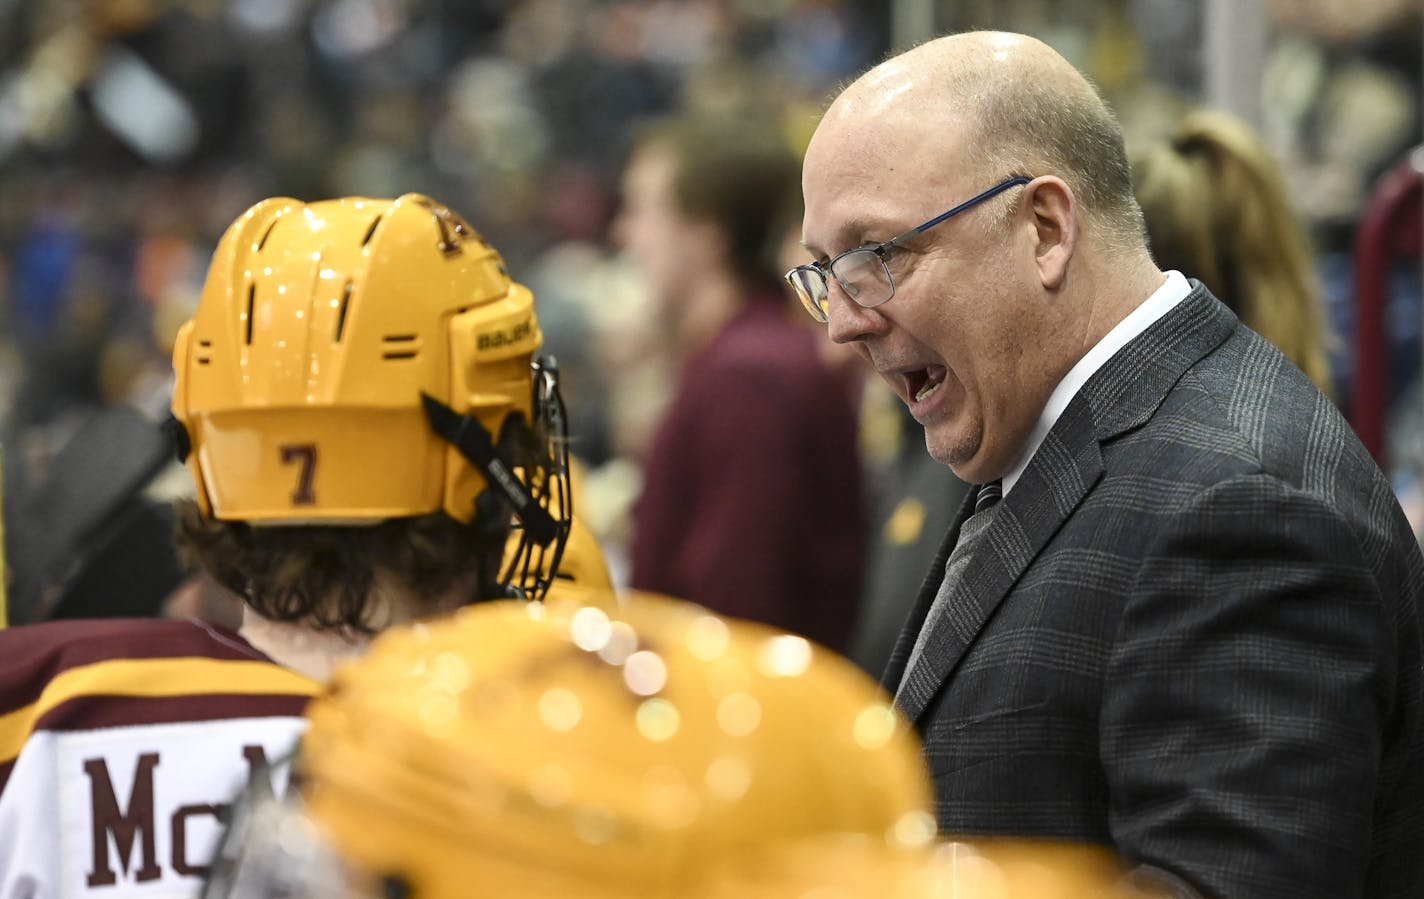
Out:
{"x": 133, "y": 823}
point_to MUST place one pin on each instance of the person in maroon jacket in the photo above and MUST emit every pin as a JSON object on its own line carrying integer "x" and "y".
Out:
{"x": 752, "y": 500}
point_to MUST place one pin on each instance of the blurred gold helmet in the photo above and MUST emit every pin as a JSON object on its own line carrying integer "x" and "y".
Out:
{"x": 842, "y": 867}
{"x": 554, "y": 750}
{"x": 359, "y": 359}
{"x": 836, "y": 866}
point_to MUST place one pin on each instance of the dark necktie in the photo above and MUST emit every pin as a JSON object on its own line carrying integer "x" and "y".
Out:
{"x": 989, "y": 494}
{"x": 970, "y": 534}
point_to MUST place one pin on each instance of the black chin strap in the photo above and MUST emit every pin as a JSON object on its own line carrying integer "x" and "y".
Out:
{"x": 177, "y": 434}
{"x": 473, "y": 441}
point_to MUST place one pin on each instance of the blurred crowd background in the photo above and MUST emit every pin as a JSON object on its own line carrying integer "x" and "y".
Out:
{"x": 133, "y": 131}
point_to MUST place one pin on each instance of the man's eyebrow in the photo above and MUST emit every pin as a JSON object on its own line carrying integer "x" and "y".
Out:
{"x": 858, "y": 227}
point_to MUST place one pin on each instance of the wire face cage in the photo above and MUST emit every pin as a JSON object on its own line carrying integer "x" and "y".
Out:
{"x": 531, "y": 566}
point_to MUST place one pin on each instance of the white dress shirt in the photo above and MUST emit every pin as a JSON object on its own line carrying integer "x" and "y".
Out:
{"x": 1162, "y": 300}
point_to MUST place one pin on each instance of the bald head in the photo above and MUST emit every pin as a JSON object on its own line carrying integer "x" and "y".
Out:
{"x": 941, "y": 76}
{"x": 1012, "y": 105}
{"x": 986, "y": 313}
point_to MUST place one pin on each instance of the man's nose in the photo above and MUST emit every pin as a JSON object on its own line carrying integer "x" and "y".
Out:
{"x": 847, "y": 320}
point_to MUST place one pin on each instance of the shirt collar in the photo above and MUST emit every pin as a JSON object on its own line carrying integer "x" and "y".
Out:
{"x": 1163, "y": 299}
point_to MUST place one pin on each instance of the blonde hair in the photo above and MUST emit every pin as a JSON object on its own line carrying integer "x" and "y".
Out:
{"x": 1216, "y": 208}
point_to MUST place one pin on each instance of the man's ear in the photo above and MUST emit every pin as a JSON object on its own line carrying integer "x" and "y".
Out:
{"x": 1055, "y": 216}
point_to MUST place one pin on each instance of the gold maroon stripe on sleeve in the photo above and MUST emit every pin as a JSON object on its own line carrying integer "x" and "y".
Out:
{"x": 188, "y": 677}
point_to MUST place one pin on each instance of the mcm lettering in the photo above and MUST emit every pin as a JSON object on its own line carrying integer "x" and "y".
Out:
{"x": 493, "y": 340}
{"x": 134, "y": 826}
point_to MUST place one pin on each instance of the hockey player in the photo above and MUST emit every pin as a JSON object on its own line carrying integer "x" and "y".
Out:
{"x": 360, "y": 403}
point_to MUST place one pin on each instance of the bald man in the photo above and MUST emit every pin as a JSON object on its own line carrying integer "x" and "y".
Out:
{"x": 1190, "y": 629}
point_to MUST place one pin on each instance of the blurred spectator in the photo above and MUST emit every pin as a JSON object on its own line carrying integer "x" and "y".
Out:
{"x": 752, "y": 501}
{"x": 1216, "y": 209}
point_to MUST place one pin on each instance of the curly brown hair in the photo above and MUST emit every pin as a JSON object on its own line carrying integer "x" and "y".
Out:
{"x": 322, "y": 575}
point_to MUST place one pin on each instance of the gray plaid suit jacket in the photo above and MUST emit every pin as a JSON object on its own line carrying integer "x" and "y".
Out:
{"x": 1193, "y": 633}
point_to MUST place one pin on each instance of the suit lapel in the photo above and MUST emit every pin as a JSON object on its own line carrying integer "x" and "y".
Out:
{"x": 1065, "y": 467}
{"x": 1130, "y": 386}
{"x": 1121, "y": 395}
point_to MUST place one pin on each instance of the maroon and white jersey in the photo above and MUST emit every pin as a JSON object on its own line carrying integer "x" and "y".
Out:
{"x": 122, "y": 743}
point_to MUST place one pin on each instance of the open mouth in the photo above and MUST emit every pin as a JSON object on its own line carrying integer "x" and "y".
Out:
{"x": 925, "y": 381}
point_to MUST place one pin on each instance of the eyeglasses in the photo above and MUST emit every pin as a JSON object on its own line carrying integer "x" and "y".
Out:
{"x": 862, "y": 272}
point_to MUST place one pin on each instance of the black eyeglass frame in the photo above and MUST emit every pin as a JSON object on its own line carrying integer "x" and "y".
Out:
{"x": 818, "y": 307}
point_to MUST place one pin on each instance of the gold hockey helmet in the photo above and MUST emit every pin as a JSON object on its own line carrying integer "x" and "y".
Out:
{"x": 359, "y": 359}
{"x": 556, "y": 750}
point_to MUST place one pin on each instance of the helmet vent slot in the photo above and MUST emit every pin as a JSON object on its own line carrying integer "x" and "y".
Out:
{"x": 341, "y": 312}
{"x": 205, "y": 352}
{"x": 371, "y": 231}
{"x": 262, "y": 241}
{"x": 247, "y": 322}
{"x": 399, "y": 346}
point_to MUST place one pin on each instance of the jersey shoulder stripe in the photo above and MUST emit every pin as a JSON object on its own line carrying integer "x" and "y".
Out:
{"x": 80, "y": 687}
{"x": 61, "y": 705}
{"x": 33, "y": 655}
